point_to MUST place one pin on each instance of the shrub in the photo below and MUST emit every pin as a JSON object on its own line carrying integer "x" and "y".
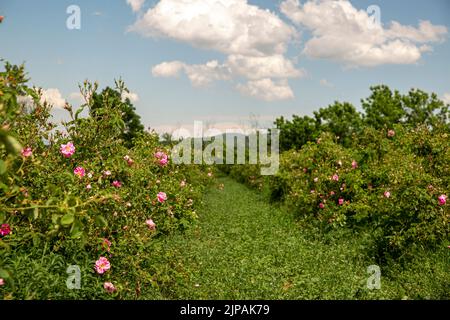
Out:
{"x": 80, "y": 183}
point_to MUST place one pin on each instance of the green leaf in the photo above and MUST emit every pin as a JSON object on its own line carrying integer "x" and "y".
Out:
{"x": 100, "y": 221}
{"x": 3, "y": 167}
{"x": 55, "y": 218}
{"x": 35, "y": 213}
{"x": 67, "y": 219}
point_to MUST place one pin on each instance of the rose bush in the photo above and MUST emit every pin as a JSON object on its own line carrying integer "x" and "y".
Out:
{"x": 79, "y": 182}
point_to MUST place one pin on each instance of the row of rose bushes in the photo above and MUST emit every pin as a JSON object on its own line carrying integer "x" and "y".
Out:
{"x": 79, "y": 182}
{"x": 393, "y": 183}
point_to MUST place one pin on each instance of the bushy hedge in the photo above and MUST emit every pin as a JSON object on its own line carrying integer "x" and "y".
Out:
{"x": 79, "y": 184}
{"x": 391, "y": 179}
{"x": 383, "y": 184}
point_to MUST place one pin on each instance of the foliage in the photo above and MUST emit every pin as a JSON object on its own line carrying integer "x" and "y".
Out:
{"x": 101, "y": 189}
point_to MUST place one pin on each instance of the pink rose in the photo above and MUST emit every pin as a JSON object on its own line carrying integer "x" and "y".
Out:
{"x": 390, "y": 133}
{"x": 341, "y": 201}
{"x": 67, "y": 150}
{"x": 321, "y": 205}
{"x": 161, "y": 197}
{"x": 151, "y": 225}
{"x": 27, "y": 152}
{"x": 354, "y": 164}
{"x": 102, "y": 265}
{"x": 89, "y": 187}
{"x": 387, "y": 194}
{"x": 332, "y": 193}
{"x": 109, "y": 287}
{"x": 5, "y": 229}
{"x": 2, "y": 282}
{"x": 335, "y": 177}
{"x": 209, "y": 174}
{"x": 442, "y": 199}
{"x": 163, "y": 161}
{"x": 116, "y": 184}
{"x": 79, "y": 171}
{"x": 107, "y": 173}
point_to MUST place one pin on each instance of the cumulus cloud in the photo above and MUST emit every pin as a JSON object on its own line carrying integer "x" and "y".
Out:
{"x": 168, "y": 69}
{"x": 273, "y": 66}
{"x": 135, "y": 5}
{"x": 343, "y": 33}
{"x": 53, "y": 97}
{"x": 254, "y": 40}
{"x": 266, "y": 89}
{"x": 232, "y": 26}
{"x": 446, "y": 98}
{"x": 200, "y": 75}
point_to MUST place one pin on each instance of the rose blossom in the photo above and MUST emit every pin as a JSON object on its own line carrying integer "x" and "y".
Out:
{"x": 335, "y": 177}
{"x": 162, "y": 197}
{"x": 442, "y": 199}
{"x": 354, "y": 164}
{"x": 67, "y": 150}
{"x": 5, "y": 229}
{"x": 79, "y": 171}
{"x": 341, "y": 201}
{"x": 151, "y": 225}
{"x": 89, "y": 187}
{"x": 102, "y": 265}
{"x": 27, "y": 152}
{"x": 321, "y": 205}
{"x": 116, "y": 184}
{"x": 390, "y": 133}
{"x": 2, "y": 282}
{"x": 109, "y": 287}
{"x": 387, "y": 194}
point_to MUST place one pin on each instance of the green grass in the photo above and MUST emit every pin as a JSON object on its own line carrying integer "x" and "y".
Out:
{"x": 245, "y": 248}
{"x": 242, "y": 247}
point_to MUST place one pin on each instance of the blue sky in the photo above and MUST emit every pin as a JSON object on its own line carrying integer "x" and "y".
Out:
{"x": 103, "y": 49}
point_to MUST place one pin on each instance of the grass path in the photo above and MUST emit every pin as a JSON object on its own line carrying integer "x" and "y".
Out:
{"x": 245, "y": 248}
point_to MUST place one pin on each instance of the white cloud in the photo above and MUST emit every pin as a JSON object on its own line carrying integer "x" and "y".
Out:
{"x": 343, "y": 33}
{"x": 273, "y": 66}
{"x": 168, "y": 69}
{"x": 135, "y": 5}
{"x": 200, "y": 75}
{"x": 130, "y": 95}
{"x": 326, "y": 83}
{"x": 228, "y": 26}
{"x": 204, "y": 74}
{"x": 53, "y": 97}
{"x": 266, "y": 89}
{"x": 446, "y": 98}
{"x": 254, "y": 40}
